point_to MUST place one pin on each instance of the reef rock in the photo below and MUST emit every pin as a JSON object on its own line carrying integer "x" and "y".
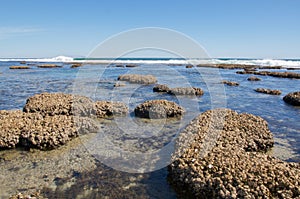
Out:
{"x": 186, "y": 91}
{"x": 59, "y": 104}
{"x": 156, "y": 109}
{"x": 268, "y": 91}
{"x": 253, "y": 78}
{"x": 32, "y": 130}
{"x": 19, "y": 67}
{"x": 293, "y": 98}
{"x": 138, "y": 79}
{"x": 106, "y": 109}
{"x": 221, "y": 154}
{"x": 161, "y": 88}
{"x": 229, "y": 83}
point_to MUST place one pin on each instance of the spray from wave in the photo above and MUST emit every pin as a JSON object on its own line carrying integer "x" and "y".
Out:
{"x": 293, "y": 63}
{"x": 54, "y": 59}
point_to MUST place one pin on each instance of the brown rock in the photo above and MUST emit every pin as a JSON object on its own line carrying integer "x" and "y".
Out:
{"x": 268, "y": 91}
{"x": 222, "y": 153}
{"x": 59, "y": 104}
{"x": 161, "y": 88}
{"x": 156, "y": 109}
{"x": 229, "y": 83}
{"x": 32, "y": 130}
{"x": 138, "y": 79}
{"x": 253, "y": 78}
{"x": 76, "y": 65}
{"x": 19, "y": 67}
{"x": 273, "y": 74}
{"x": 130, "y": 66}
{"x": 49, "y": 66}
{"x": 293, "y": 98}
{"x": 189, "y": 66}
{"x": 12, "y": 124}
{"x": 107, "y": 109}
{"x": 186, "y": 91}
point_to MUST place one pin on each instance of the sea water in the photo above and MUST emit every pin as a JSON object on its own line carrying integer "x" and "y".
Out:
{"x": 71, "y": 171}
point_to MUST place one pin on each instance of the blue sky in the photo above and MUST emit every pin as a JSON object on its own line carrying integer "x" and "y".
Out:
{"x": 225, "y": 28}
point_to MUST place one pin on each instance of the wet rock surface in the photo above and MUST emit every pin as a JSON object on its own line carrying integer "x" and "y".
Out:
{"x": 76, "y": 65}
{"x": 186, "y": 91}
{"x": 107, "y": 109}
{"x": 35, "y": 195}
{"x": 59, "y": 104}
{"x": 19, "y": 67}
{"x": 50, "y": 120}
{"x": 253, "y": 78}
{"x": 162, "y": 88}
{"x": 246, "y": 67}
{"x": 273, "y": 74}
{"x": 49, "y": 66}
{"x": 32, "y": 130}
{"x": 229, "y": 83}
{"x": 268, "y": 91}
{"x": 138, "y": 79}
{"x": 11, "y": 127}
{"x": 221, "y": 154}
{"x": 293, "y": 98}
{"x": 156, "y": 109}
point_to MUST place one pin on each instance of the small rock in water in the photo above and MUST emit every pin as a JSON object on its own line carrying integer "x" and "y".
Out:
{"x": 229, "y": 83}
{"x": 268, "y": 91}
{"x": 293, "y": 98}
{"x": 156, "y": 109}
{"x": 253, "y": 78}
{"x": 138, "y": 79}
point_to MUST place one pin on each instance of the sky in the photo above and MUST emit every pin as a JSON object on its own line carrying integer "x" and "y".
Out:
{"x": 224, "y": 28}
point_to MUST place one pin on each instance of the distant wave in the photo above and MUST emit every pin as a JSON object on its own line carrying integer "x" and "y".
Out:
{"x": 261, "y": 62}
{"x": 54, "y": 59}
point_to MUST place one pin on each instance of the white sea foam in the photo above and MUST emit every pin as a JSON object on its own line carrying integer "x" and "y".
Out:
{"x": 54, "y": 59}
{"x": 260, "y": 62}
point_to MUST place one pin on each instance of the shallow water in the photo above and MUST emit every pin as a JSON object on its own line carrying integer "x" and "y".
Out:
{"x": 81, "y": 170}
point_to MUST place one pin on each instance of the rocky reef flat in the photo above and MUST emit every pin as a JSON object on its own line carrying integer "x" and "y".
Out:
{"x": 222, "y": 154}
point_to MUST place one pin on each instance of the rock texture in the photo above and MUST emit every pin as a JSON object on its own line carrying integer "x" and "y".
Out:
{"x": 161, "y": 88}
{"x": 253, "y": 78}
{"x": 221, "y": 154}
{"x": 12, "y": 125}
{"x": 32, "y": 130}
{"x": 50, "y": 120}
{"x": 138, "y": 79}
{"x": 268, "y": 91}
{"x": 19, "y": 67}
{"x": 273, "y": 74}
{"x": 239, "y": 66}
{"x": 156, "y": 109}
{"x": 186, "y": 91}
{"x": 76, "y": 65}
{"x": 293, "y": 98}
{"x": 59, "y": 104}
{"x": 229, "y": 83}
{"x": 106, "y": 109}
{"x": 49, "y": 66}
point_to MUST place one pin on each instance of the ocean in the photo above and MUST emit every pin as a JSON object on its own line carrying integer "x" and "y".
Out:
{"x": 70, "y": 171}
